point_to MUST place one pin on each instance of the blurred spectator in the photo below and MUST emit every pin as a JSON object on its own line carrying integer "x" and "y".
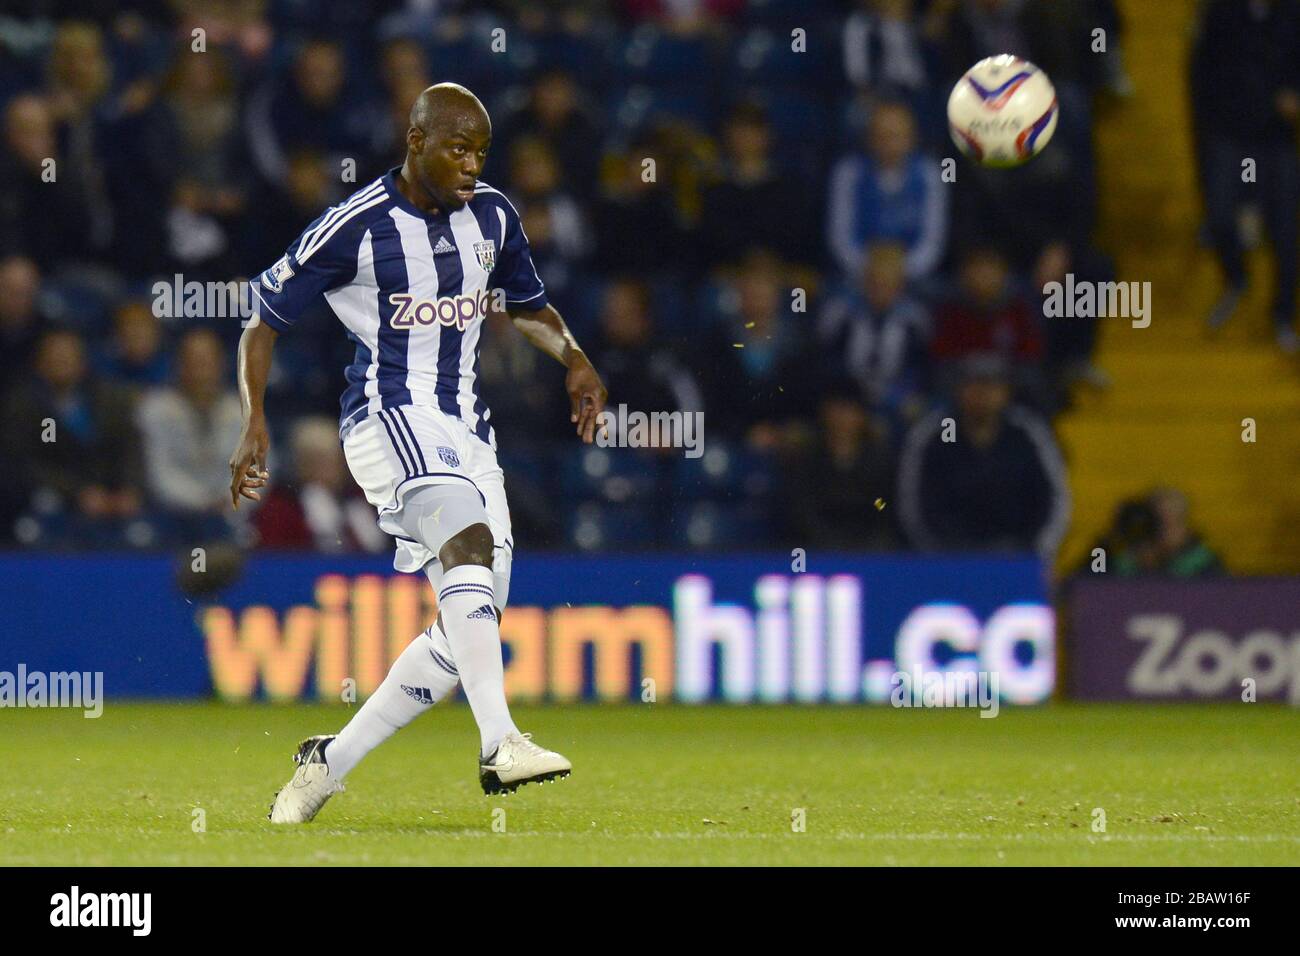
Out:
{"x": 284, "y": 209}
{"x": 322, "y": 509}
{"x": 1250, "y": 112}
{"x": 135, "y": 354}
{"x": 1071, "y": 341}
{"x": 883, "y": 48}
{"x": 115, "y": 149}
{"x": 1151, "y": 536}
{"x": 39, "y": 219}
{"x": 755, "y": 203}
{"x": 988, "y": 478}
{"x": 889, "y": 191}
{"x": 755, "y": 360}
{"x": 683, "y": 16}
{"x": 530, "y": 417}
{"x": 402, "y": 63}
{"x": 1042, "y": 218}
{"x": 552, "y": 219}
{"x": 888, "y": 53}
{"x": 1129, "y": 545}
{"x": 523, "y": 386}
{"x": 633, "y": 209}
{"x": 639, "y": 371}
{"x": 310, "y": 110}
{"x": 556, "y": 111}
{"x": 876, "y": 334}
{"x": 404, "y": 71}
{"x": 80, "y": 77}
{"x": 71, "y": 438}
{"x": 851, "y": 465}
{"x": 987, "y": 316}
{"x": 203, "y": 113}
{"x": 1033, "y": 214}
{"x": 1182, "y": 551}
{"x": 21, "y": 321}
{"x": 188, "y": 433}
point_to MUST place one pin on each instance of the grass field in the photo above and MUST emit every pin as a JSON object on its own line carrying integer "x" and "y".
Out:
{"x": 663, "y": 784}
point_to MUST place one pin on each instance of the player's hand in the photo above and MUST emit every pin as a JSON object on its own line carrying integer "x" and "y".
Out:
{"x": 248, "y": 463}
{"x": 587, "y": 395}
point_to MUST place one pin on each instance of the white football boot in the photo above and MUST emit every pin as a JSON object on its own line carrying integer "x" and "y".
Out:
{"x": 310, "y": 786}
{"x": 517, "y": 761}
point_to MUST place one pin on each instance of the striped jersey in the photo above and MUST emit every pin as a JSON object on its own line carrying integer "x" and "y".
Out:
{"x": 412, "y": 290}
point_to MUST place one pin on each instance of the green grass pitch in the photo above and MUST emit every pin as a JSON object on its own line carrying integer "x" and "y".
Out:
{"x": 668, "y": 784}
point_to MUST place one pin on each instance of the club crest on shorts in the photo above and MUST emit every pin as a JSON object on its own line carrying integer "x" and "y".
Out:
{"x": 448, "y": 456}
{"x": 486, "y": 254}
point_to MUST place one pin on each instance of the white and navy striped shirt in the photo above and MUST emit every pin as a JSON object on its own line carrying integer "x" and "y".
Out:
{"x": 412, "y": 291}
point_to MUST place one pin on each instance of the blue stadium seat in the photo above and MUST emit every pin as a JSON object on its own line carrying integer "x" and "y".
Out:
{"x": 527, "y": 465}
{"x": 596, "y": 526}
{"x": 636, "y": 106}
{"x": 650, "y": 55}
{"x": 78, "y": 305}
{"x": 615, "y": 475}
{"x": 763, "y": 55}
{"x": 723, "y": 472}
{"x": 580, "y": 55}
{"x": 709, "y": 526}
{"x": 672, "y": 314}
{"x": 790, "y": 13}
{"x": 797, "y": 117}
{"x": 468, "y": 59}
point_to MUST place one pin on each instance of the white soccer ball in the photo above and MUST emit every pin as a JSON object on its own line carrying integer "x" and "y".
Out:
{"x": 1003, "y": 111}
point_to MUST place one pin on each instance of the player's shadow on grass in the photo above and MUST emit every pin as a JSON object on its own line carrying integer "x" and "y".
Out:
{"x": 340, "y": 827}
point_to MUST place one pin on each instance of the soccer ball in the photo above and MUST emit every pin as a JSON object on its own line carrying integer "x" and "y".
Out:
{"x": 1002, "y": 112}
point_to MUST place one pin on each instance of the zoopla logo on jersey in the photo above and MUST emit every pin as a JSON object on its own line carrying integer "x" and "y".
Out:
{"x": 458, "y": 310}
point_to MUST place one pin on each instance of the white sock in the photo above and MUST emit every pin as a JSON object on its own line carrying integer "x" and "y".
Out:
{"x": 421, "y": 676}
{"x": 470, "y": 622}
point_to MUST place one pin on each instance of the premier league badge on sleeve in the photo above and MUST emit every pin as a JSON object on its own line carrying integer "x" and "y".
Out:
{"x": 275, "y": 277}
{"x": 448, "y": 456}
{"x": 486, "y": 254}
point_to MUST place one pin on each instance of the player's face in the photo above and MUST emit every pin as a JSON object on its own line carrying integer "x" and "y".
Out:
{"x": 451, "y": 160}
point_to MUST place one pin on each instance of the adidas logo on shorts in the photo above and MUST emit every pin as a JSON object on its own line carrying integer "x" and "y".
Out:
{"x": 422, "y": 694}
{"x": 483, "y": 613}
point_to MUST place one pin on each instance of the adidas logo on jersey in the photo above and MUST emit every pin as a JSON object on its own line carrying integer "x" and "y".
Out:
{"x": 483, "y": 613}
{"x": 443, "y": 247}
{"x": 422, "y": 694}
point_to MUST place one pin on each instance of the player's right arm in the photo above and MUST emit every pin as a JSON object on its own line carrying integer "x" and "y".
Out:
{"x": 248, "y": 463}
{"x": 322, "y": 258}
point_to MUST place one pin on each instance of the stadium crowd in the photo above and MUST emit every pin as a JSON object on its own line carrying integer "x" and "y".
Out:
{"x": 798, "y": 267}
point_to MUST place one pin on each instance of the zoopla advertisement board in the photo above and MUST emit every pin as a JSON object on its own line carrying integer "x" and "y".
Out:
{"x": 763, "y": 628}
{"x": 1185, "y": 640}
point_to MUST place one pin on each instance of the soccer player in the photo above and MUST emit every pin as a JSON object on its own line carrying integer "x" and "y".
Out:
{"x": 410, "y": 264}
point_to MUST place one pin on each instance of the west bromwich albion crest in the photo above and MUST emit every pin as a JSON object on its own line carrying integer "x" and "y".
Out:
{"x": 486, "y": 254}
{"x": 448, "y": 456}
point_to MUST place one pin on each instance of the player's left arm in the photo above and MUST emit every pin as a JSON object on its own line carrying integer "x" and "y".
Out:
{"x": 545, "y": 328}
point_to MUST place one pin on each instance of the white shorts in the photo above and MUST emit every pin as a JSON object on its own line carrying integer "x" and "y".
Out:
{"x": 396, "y": 450}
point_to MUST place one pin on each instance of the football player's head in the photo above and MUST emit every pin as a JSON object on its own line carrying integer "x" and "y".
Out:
{"x": 447, "y": 143}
